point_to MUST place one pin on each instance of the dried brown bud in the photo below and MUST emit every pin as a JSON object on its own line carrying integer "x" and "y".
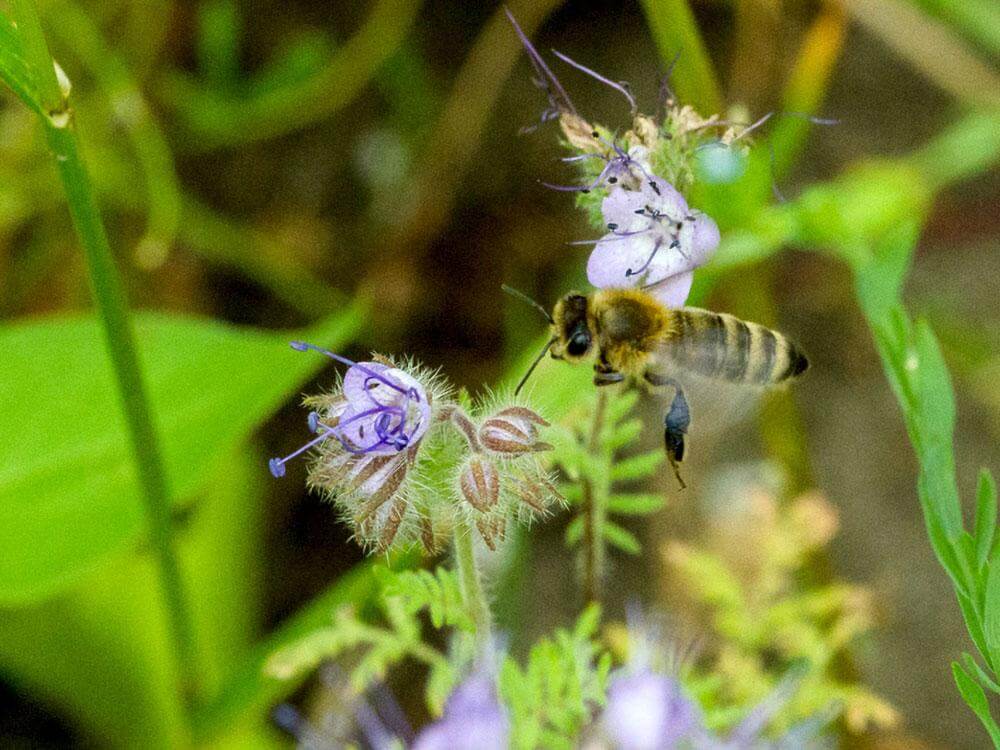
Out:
{"x": 513, "y": 430}
{"x": 480, "y": 484}
{"x": 580, "y": 133}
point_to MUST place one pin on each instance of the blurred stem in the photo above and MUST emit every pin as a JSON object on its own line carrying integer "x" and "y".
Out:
{"x": 217, "y": 119}
{"x": 807, "y": 85}
{"x": 595, "y": 498}
{"x": 472, "y": 587}
{"x": 674, "y": 30}
{"x": 109, "y": 296}
{"x": 458, "y": 130}
{"x": 758, "y": 29}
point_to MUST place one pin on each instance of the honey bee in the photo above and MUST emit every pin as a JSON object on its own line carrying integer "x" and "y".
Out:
{"x": 630, "y": 335}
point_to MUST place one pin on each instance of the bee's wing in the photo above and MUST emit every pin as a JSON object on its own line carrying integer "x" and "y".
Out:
{"x": 715, "y": 404}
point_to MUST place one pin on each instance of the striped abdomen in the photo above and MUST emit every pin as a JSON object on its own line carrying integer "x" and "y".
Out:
{"x": 720, "y": 346}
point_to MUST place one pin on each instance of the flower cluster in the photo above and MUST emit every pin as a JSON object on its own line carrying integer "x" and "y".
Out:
{"x": 632, "y": 187}
{"x": 387, "y": 453}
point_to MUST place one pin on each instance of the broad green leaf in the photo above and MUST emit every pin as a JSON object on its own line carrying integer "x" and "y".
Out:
{"x": 975, "y": 696}
{"x": 986, "y": 516}
{"x": 99, "y": 652}
{"x": 621, "y": 538}
{"x": 14, "y": 71}
{"x": 68, "y": 492}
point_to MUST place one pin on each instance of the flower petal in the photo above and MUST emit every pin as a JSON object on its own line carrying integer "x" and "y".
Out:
{"x": 673, "y": 291}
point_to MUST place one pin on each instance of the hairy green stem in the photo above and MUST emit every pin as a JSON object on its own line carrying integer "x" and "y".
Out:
{"x": 109, "y": 296}
{"x": 595, "y": 496}
{"x": 472, "y": 587}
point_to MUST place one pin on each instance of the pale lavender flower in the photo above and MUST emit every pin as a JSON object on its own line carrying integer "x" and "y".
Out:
{"x": 368, "y": 437}
{"x": 654, "y": 241}
{"x": 473, "y": 719}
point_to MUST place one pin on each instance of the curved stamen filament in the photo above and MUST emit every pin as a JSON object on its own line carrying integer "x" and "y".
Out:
{"x": 599, "y": 77}
{"x": 302, "y": 346}
{"x": 656, "y": 248}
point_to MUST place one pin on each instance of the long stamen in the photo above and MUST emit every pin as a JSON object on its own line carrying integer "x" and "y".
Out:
{"x": 618, "y": 236}
{"x": 277, "y": 465}
{"x": 550, "y": 84}
{"x": 656, "y": 248}
{"x": 301, "y": 346}
{"x": 594, "y": 74}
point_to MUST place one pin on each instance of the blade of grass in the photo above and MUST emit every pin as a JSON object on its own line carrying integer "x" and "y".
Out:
{"x": 930, "y": 47}
{"x": 109, "y": 296}
{"x": 674, "y": 30}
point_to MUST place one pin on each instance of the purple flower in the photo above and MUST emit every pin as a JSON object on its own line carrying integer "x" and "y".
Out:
{"x": 368, "y": 436}
{"x": 654, "y": 240}
{"x": 382, "y": 410}
{"x": 473, "y": 719}
{"x": 648, "y": 711}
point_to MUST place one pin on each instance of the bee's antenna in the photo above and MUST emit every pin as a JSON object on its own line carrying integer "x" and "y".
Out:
{"x": 525, "y": 298}
{"x": 534, "y": 364}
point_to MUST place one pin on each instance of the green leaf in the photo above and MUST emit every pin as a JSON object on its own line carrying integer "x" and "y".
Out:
{"x": 973, "y": 668}
{"x": 636, "y": 467}
{"x": 986, "y": 516}
{"x": 975, "y": 696}
{"x": 14, "y": 71}
{"x": 574, "y": 531}
{"x": 69, "y": 498}
{"x": 439, "y": 592}
{"x": 635, "y": 504}
{"x": 249, "y": 692}
{"x": 99, "y": 651}
{"x": 991, "y": 616}
{"x": 618, "y": 537}
{"x": 620, "y": 405}
{"x": 623, "y": 434}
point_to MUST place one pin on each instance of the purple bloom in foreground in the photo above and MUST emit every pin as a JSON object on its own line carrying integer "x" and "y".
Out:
{"x": 473, "y": 719}
{"x": 648, "y": 711}
{"x": 654, "y": 240}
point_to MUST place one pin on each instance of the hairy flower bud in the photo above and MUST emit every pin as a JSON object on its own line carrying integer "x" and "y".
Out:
{"x": 513, "y": 430}
{"x": 480, "y": 484}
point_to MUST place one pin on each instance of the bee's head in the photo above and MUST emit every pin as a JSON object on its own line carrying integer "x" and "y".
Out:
{"x": 570, "y": 331}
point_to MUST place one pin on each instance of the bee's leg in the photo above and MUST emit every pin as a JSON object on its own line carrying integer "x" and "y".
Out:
{"x": 607, "y": 378}
{"x": 604, "y": 374}
{"x": 675, "y": 423}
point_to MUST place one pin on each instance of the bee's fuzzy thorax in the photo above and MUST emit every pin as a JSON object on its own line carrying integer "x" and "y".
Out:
{"x": 630, "y": 324}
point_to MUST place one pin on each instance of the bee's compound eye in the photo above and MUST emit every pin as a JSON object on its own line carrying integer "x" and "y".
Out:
{"x": 578, "y": 345}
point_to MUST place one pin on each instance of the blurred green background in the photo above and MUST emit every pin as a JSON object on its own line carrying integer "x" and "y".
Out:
{"x": 355, "y": 170}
